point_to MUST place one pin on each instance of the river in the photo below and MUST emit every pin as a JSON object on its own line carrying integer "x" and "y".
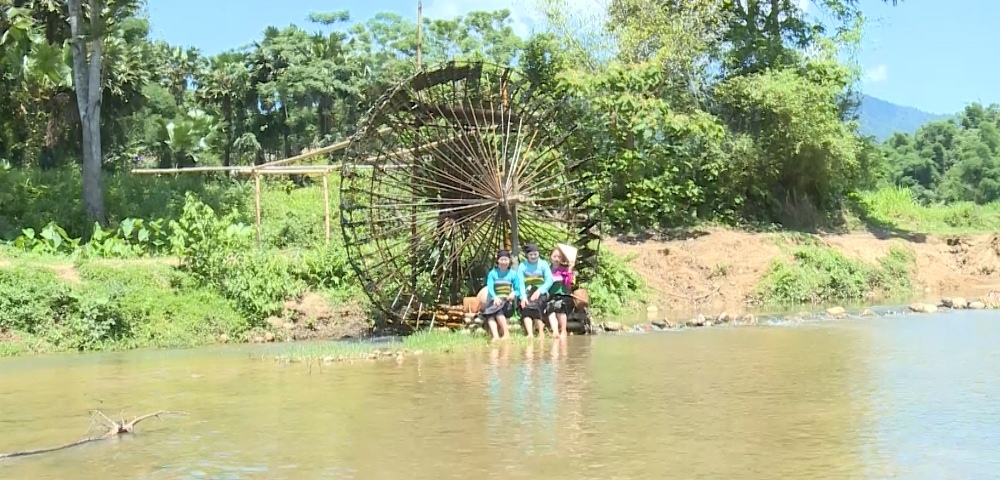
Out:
{"x": 896, "y": 397}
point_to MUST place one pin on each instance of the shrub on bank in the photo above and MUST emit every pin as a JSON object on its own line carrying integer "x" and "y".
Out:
{"x": 818, "y": 274}
{"x": 36, "y": 198}
{"x": 108, "y": 307}
{"x": 292, "y": 215}
{"x": 617, "y": 289}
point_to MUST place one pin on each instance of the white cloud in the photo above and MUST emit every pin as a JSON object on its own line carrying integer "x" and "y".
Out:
{"x": 803, "y": 5}
{"x": 876, "y": 74}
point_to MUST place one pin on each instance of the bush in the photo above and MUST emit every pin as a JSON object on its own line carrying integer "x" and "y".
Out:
{"x": 30, "y": 299}
{"x": 35, "y": 302}
{"x": 616, "y": 289}
{"x": 322, "y": 267}
{"x": 35, "y": 198}
{"x": 293, "y": 216}
{"x": 112, "y": 307}
{"x": 819, "y": 274}
{"x": 219, "y": 252}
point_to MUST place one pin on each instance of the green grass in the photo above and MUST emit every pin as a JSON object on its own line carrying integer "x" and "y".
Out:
{"x": 896, "y": 208}
{"x": 107, "y": 305}
{"x": 425, "y": 342}
{"x": 818, "y": 274}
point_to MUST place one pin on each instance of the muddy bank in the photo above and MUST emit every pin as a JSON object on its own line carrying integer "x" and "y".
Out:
{"x": 312, "y": 317}
{"x": 715, "y": 270}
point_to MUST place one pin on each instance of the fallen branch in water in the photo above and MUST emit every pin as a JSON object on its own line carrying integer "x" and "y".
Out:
{"x": 114, "y": 429}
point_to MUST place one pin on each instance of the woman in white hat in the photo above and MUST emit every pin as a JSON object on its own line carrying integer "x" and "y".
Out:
{"x": 560, "y": 293}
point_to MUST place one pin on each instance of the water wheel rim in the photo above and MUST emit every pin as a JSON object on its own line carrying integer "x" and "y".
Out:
{"x": 444, "y": 166}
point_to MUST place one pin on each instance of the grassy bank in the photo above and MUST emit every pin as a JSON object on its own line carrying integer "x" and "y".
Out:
{"x": 897, "y": 209}
{"x": 50, "y": 305}
{"x": 191, "y": 277}
{"x": 819, "y": 274}
{"x": 183, "y": 268}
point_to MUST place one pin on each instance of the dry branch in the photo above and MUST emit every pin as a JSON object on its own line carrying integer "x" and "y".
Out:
{"x": 114, "y": 429}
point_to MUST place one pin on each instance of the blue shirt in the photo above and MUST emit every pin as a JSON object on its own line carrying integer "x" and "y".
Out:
{"x": 538, "y": 275}
{"x": 502, "y": 284}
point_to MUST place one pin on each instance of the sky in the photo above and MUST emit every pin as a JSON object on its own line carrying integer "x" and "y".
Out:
{"x": 921, "y": 53}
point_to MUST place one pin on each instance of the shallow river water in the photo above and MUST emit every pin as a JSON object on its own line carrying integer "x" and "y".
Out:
{"x": 910, "y": 397}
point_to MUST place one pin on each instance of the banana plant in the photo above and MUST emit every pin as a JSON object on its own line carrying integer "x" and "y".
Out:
{"x": 186, "y": 138}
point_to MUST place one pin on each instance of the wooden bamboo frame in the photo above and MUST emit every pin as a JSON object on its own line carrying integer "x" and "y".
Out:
{"x": 256, "y": 203}
{"x": 281, "y": 167}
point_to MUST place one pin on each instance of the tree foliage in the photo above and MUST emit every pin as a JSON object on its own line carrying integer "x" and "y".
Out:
{"x": 949, "y": 160}
{"x": 732, "y": 110}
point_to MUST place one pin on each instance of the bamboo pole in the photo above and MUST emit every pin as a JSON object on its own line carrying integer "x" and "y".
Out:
{"x": 315, "y": 153}
{"x": 326, "y": 206}
{"x": 420, "y": 32}
{"x": 311, "y": 171}
{"x": 320, "y": 151}
{"x": 256, "y": 202}
{"x": 157, "y": 171}
{"x": 279, "y": 170}
{"x": 272, "y": 169}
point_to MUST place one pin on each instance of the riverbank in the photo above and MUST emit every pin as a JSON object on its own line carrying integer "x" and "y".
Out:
{"x": 705, "y": 276}
{"x": 721, "y": 270}
{"x": 475, "y": 339}
{"x": 57, "y": 304}
{"x": 197, "y": 275}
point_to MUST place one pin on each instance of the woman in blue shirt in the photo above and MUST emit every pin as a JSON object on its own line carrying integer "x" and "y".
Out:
{"x": 502, "y": 287}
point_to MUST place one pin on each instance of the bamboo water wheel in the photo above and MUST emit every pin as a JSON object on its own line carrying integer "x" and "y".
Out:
{"x": 451, "y": 165}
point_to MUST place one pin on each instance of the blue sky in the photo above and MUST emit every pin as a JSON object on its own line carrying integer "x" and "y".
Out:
{"x": 922, "y": 53}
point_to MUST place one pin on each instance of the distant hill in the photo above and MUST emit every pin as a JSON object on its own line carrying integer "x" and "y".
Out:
{"x": 881, "y": 119}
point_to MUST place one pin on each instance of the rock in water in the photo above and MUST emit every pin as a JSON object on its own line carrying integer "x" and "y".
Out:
{"x": 612, "y": 326}
{"x": 992, "y": 299}
{"x": 663, "y": 323}
{"x": 959, "y": 302}
{"x": 698, "y": 321}
{"x": 977, "y": 305}
{"x": 923, "y": 308}
{"x": 836, "y": 311}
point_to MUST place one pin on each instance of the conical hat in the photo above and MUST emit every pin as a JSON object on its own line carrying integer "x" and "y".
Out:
{"x": 568, "y": 251}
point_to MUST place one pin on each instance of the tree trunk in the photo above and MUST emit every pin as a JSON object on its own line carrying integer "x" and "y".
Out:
{"x": 88, "y": 87}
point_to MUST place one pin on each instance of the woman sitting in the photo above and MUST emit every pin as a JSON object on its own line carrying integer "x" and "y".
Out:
{"x": 535, "y": 278}
{"x": 561, "y": 292}
{"x": 503, "y": 287}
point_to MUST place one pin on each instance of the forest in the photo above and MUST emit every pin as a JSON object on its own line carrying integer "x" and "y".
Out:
{"x": 704, "y": 110}
{"x": 742, "y": 114}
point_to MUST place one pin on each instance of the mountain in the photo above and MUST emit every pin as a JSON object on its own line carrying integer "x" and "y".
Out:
{"x": 881, "y": 119}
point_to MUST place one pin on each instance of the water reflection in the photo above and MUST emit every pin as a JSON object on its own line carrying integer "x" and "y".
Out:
{"x": 905, "y": 398}
{"x": 528, "y": 396}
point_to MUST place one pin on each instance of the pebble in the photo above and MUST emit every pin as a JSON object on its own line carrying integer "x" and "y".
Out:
{"x": 612, "y": 326}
